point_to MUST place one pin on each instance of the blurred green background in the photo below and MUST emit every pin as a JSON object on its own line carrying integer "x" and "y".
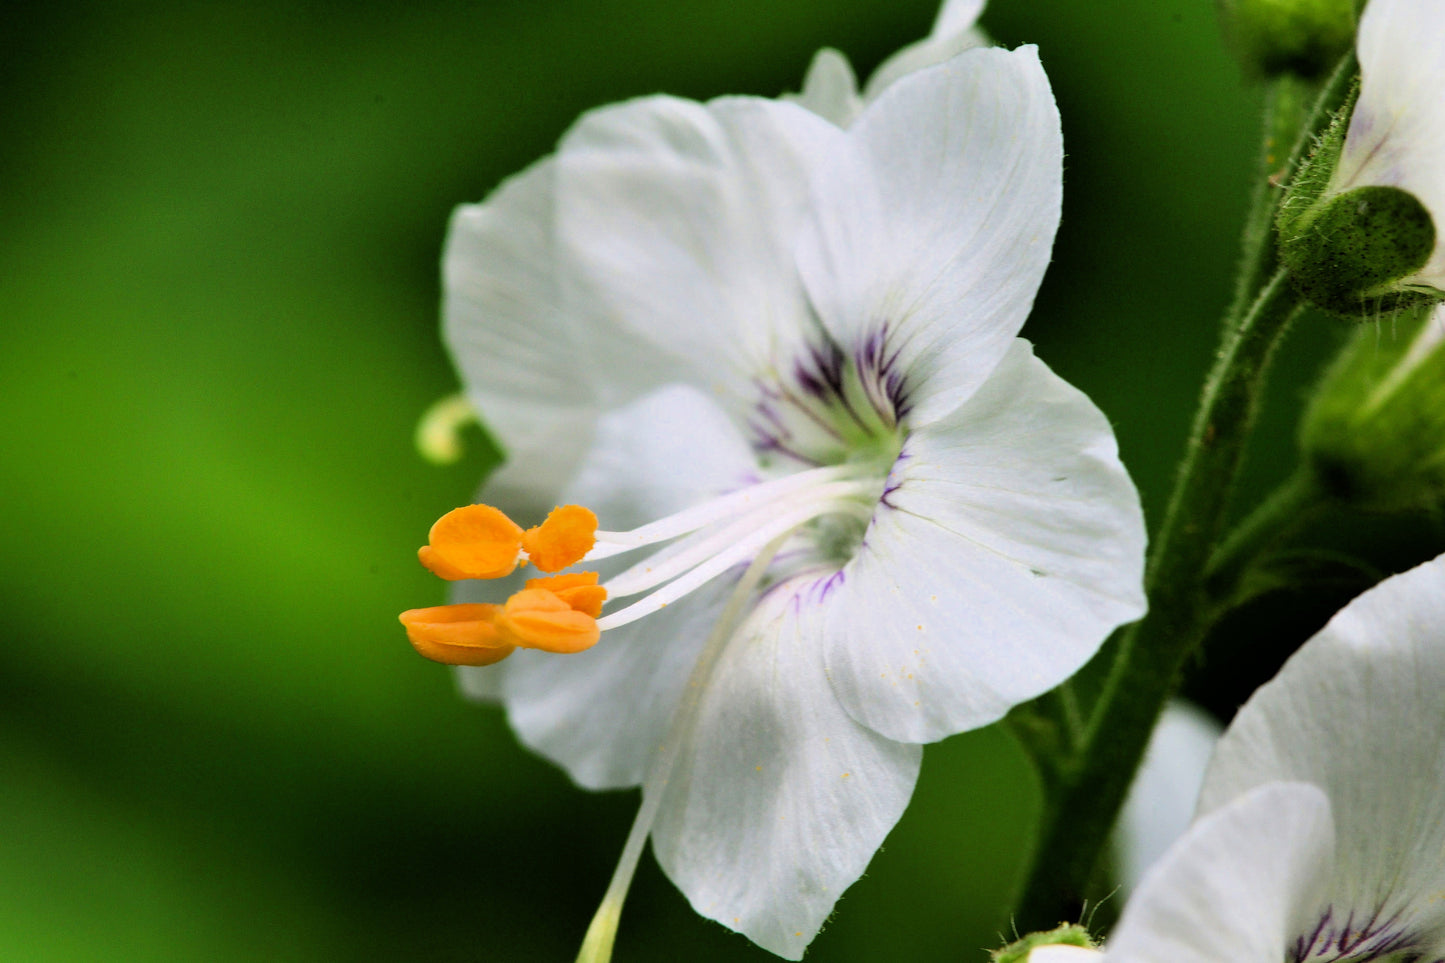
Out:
{"x": 221, "y": 228}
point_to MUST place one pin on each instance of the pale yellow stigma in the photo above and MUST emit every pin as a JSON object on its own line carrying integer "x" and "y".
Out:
{"x": 439, "y": 432}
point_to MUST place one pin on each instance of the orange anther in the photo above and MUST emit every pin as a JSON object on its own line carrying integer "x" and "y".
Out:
{"x": 457, "y": 634}
{"x": 476, "y": 541}
{"x": 568, "y": 533}
{"x": 538, "y": 618}
{"x": 578, "y": 589}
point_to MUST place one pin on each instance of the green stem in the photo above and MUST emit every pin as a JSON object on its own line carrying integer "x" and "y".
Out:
{"x": 1051, "y": 729}
{"x": 1287, "y": 104}
{"x": 1288, "y": 507}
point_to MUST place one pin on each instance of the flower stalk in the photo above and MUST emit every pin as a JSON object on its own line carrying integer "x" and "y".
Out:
{"x": 1296, "y": 501}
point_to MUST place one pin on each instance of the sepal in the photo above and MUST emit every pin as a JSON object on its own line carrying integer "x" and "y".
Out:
{"x": 1349, "y": 254}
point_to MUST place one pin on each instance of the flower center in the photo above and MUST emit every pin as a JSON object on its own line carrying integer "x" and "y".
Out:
{"x": 832, "y": 407}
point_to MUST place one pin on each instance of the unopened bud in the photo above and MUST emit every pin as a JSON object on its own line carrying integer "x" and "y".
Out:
{"x": 1069, "y": 943}
{"x": 1304, "y": 37}
{"x": 1374, "y": 433}
{"x": 1351, "y": 253}
{"x": 1351, "y": 248}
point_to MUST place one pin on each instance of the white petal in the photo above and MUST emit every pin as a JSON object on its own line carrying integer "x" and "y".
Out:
{"x": 1064, "y": 953}
{"x": 503, "y": 318}
{"x": 1013, "y": 545}
{"x": 829, "y": 89}
{"x": 953, "y": 32}
{"x": 680, "y": 218}
{"x": 1397, "y": 133}
{"x": 782, "y": 799}
{"x": 1237, "y": 887}
{"x": 933, "y": 224}
{"x": 601, "y": 713}
{"x": 955, "y": 17}
{"x": 536, "y": 364}
{"x": 1161, "y": 800}
{"x": 1359, "y": 710}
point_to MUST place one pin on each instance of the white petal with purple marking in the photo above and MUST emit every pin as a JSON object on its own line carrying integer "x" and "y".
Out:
{"x": 1008, "y": 546}
{"x": 933, "y": 222}
{"x": 678, "y": 220}
{"x": 1237, "y": 887}
{"x": 1359, "y": 710}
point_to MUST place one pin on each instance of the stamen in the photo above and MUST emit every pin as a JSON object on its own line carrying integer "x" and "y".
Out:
{"x": 538, "y": 618}
{"x": 475, "y": 541}
{"x": 563, "y": 613}
{"x": 556, "y": 614}
{"x": 723, "y": 507}
{"x": 700, "y": 546}
{"x": 563, "y": 539}
{"x": 741, "y": 551}
{"x": 578, "y": 589}
{"x": 456, "y": 634}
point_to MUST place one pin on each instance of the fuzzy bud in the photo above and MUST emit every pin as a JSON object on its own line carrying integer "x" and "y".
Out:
{"x": 1304, "y": 37}
{"x": 1349, "y": 253}
{"x": 1069, "y": 943}
{"x": 1374, "y": 433}
{"x": 1354, "y": 250}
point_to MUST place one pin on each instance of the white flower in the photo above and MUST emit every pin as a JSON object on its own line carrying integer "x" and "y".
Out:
{"x": 1161, "y": 801}
{"x": 1396, "y": 136}
{"x": 741, "y": 327}
{"x": 1321, "y": 834}
{"x": 830, "y": 88}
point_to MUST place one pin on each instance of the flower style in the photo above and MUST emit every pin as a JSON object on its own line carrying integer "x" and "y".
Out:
{"x": 787, "y": 353}
{"x": 1396, "y": 136}
{"x": 1321, "y": 827}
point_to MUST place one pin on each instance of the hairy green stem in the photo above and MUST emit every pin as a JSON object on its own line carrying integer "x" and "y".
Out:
{"x": 1297, "y": 500}
{"x": 1287, "y": 104}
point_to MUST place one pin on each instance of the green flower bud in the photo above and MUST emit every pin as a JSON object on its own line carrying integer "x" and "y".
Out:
{"x": 1348, "y": 253}
{"x": 1374, "y": 433}
{"x": 1067, "y": 934}
{"x": 1305, "y": 37}
{"x": 1355, "y": 251}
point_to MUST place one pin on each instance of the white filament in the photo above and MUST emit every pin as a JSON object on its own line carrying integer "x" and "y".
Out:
{"x": 725, "y": 506}
{"x": 736, "y": 553}
{"x": 709, "y": 542}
